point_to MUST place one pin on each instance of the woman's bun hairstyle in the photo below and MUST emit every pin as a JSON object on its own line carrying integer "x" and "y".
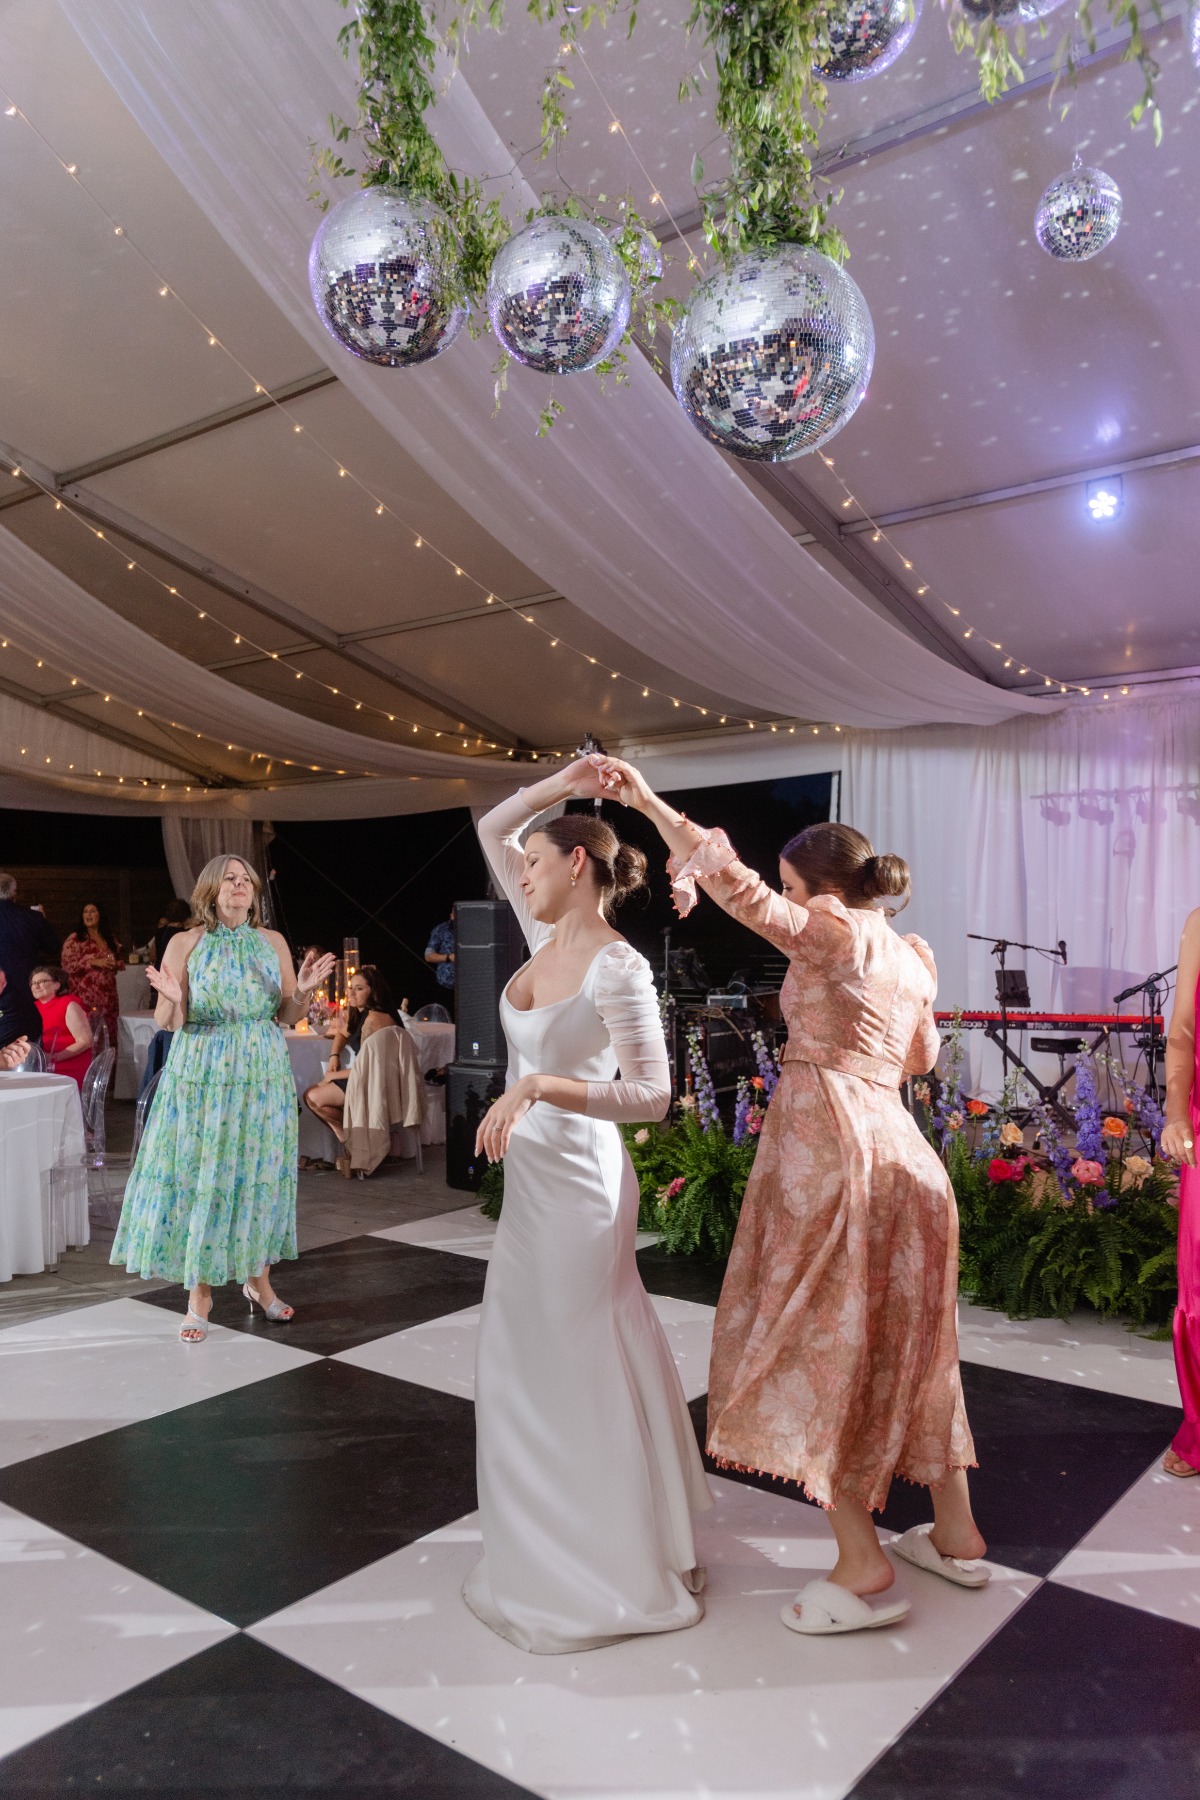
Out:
{"x": 618, "y": 869}
{"x": 835, "y": 858}
{"x": 885, "y": 876}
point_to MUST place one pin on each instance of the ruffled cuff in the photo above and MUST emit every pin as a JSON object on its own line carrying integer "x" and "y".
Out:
{"x": 708, "y": 858}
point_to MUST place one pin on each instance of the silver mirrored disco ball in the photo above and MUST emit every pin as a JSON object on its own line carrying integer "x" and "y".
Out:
{"x": 382, "y": 278}
{"x": 1078, "y": 215}
{"x": 773, "y": 354}
{"x": 1010, "y": 12}
{"x": 558, "y": 296}
{"x": 866, "y": 37}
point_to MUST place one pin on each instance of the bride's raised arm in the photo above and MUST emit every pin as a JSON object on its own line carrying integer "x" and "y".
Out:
{"x": 500, "y": 833}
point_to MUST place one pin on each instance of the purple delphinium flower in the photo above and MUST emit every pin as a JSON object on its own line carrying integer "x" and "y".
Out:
{"x": 741, "y": 1111}
{"x": 1089, "y": 1120}
{"x": 1149, "y": 1115}
{"x": 768, "y": 1068}
{"x": 1060, "y": 1156}
{"x": 702, "y": 1083}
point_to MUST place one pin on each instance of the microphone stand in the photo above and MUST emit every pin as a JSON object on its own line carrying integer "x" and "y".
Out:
{"x": 1154, "y": 1043}
{"x": 1000, "y": 948}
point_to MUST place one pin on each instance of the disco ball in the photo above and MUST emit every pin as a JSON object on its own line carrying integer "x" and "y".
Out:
{"x": 1010, "y": 12}
{"x": 866, "y": 37}
{"x": 773, "y": 354}
{"x": 381, "y": 270}
{"x": 558, "y": 296}
{"x": 1078, "y": 215}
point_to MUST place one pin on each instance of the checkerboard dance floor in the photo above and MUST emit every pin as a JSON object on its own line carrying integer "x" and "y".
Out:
{"x": 236, "y": 1567}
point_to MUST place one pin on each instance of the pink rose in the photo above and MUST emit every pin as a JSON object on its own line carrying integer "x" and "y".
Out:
{"x": 1087, "y": 1174}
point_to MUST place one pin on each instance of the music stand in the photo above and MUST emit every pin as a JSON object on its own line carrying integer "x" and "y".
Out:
{"x": 1012, "y": 989}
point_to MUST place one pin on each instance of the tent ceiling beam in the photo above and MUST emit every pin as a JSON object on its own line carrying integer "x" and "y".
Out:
{"x": 103, "y": 511}
{"x": 183, "y": 434}
{"x": 853, "y": 556}
{"x": 1162, "y": 459}
{"x": 112, "y": 733}
{"x": 955, "y": 111}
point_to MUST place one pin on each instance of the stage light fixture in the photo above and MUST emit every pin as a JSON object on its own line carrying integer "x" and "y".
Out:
{"x": 1105, "y": 498}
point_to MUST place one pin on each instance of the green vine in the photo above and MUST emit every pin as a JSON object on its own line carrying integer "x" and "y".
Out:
{"x": 770, "y": 103}
{"x": 1002, "y": 55}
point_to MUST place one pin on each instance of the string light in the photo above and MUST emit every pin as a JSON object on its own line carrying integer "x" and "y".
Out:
{"x": 878, "y": 534}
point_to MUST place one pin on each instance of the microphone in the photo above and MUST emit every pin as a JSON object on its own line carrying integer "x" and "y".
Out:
{"x": 1062, "y": 950}
{"x": 1129, "y": 992}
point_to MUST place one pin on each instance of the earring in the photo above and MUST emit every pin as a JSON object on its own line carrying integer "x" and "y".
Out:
{"x": 574, "y": 879}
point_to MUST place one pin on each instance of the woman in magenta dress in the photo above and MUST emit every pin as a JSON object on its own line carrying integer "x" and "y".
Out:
{"x": 91, "y": 957}
{"x": 835, "y": 1346}
{"x": 1179, "y": 1143}
{"x": 66, "y": 1034}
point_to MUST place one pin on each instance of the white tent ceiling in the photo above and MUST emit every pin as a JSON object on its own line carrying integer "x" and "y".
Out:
{"x": 996, "y": 369}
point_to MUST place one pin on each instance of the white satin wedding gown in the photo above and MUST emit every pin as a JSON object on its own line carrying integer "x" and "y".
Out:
{"x": 587, "y": 1463}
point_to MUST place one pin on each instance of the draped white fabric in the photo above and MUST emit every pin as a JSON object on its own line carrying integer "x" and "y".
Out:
{"x": 624, "y": 507}
{"x": 38, "y": 747}
{"x": 47, "y": 614}
{"x": 1084, "y": 827}
{"x": 190, "y": 843}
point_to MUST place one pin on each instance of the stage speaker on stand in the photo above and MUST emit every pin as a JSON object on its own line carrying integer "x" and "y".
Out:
{"x": 489, "y": 949}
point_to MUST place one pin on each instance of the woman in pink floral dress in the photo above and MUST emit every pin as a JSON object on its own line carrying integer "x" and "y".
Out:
{"x": 835, "y": 1348}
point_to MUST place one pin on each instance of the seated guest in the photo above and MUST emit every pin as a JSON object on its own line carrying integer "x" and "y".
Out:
{"x": 173, "y": 921}
{"x": 91, "y": 957}
{"x": 25, "y": 941}
{"x": 371, "y": 1008}
{"x": 66, "y": 1034}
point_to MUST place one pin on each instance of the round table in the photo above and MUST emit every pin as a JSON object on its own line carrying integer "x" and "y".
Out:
{"x": 43, "y": 1181}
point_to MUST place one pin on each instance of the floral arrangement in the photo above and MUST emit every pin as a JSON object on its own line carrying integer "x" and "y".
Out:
{"x": 1046, "y": 1226}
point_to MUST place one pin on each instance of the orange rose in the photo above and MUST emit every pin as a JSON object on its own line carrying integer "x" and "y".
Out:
{"x": 977, "y": 1108}
{"x": 1115, "y": 1128}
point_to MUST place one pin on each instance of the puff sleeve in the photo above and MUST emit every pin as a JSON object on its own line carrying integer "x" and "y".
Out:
{"x": 499, "y": 839}
{"x": 626, "y": 1000}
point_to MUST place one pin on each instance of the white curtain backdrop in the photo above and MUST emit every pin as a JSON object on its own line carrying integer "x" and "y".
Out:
{"x": 1084, "y": 827}
{"x": 38, "y": 749}
{"x": 624, "y": 507}
{"x": 190, "y": 843}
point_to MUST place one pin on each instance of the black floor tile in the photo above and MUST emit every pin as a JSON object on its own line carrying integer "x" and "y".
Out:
{"x": 250, "y": 1501}
{"x": 241, "y": 1719}
{"x": 350, "y": 1292}
{"x": 1052, "y": 1460}
{"x": 682, "y": 1277}
{"x": 1075, "y": 1699}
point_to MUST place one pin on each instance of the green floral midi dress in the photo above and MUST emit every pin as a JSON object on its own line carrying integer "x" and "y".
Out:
{"x": 212, "y": 1195}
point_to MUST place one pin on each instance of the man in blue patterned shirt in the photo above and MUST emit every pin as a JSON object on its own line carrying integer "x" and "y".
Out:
{"x": 439, "y": 951}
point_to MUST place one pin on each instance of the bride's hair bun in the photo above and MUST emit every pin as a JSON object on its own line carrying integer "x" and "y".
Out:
{"x": 629, "y": 872}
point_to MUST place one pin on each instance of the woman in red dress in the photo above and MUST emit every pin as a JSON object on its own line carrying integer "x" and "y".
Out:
{"x": 66, "y": 1034}
{"x": 91, "y": 957}
{"x": 1179, "y": 1143}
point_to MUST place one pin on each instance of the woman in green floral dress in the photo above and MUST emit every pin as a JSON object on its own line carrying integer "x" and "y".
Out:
{"x": 212, "y": 1195}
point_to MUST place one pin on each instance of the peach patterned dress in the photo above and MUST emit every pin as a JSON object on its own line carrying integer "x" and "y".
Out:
{"x": 835, "y": 1349}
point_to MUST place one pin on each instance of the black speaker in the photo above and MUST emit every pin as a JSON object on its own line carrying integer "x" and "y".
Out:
{"x": 489, "y": 950}
{"x": 470, "y": 1090}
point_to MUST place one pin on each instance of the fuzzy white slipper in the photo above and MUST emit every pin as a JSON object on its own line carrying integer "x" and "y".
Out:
{"x": 828, "y": 1608}
{"x": 914, "y": 1546}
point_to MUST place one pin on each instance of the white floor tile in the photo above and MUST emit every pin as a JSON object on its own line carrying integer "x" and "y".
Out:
{"x": 76, "y": 1374}
{"x": 77, "y": 1629}
{"x": 735, "y": 1707}
{"x": 1087, "y": 1351}
{"x": 1145, "y": 1552}
{"x": 466, "y": 1233}
{"x": 441, "y": 1353}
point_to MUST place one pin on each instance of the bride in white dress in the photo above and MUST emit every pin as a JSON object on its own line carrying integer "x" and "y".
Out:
{"x": 587, "y": 1464}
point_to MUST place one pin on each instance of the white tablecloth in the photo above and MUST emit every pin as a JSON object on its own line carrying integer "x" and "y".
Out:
{"x": 43, "y": 1183}
{"x": 134, "y": 1033}
{"x": 134, "y": 993}
{"x": 435, "y": 1043}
